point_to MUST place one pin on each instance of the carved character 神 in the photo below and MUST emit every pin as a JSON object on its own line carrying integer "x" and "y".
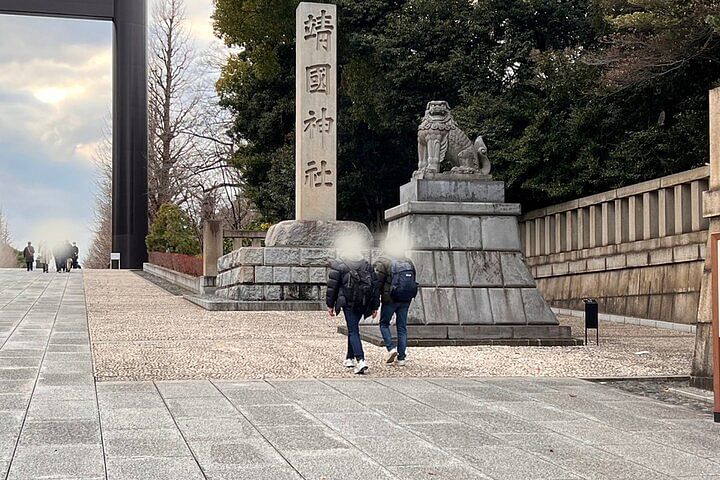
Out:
{"x": 440, "y": 139}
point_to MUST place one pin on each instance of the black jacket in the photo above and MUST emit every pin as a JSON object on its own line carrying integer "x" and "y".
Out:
{"x": 335, "y": 298}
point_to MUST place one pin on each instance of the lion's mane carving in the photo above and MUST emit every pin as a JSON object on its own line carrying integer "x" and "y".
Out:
{"x": 440, "y": 139}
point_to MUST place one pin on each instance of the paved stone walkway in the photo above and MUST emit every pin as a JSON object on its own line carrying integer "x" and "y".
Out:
{"x": 57, "y": 422}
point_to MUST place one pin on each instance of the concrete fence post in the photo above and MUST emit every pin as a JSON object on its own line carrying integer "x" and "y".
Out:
{"x": 212, "y": 251}
{"x": 608, "y": 223}
{"x": 683, "y": 211}
{"x": 696, "y": 189}
{"x": 635, "y": 218}
{"x": 666, "y": 206}
{"x": 559, "y": 232}
{"x": 549, "y": 230}
{"x": 651, "y": 215}
{"x": 583, "y": 229}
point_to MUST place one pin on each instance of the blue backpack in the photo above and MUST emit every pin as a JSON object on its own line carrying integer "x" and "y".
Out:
{"x": 404, "y": 287}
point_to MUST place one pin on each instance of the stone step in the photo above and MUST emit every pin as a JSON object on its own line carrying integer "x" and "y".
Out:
{"x": 213, "y": 303}
{"x": 448, "y": 335}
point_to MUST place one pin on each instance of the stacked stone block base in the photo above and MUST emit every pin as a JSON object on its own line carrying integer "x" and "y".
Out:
{"x": 275, "y": 278}
{"x": 475, "y": 285}
{"x": 274, "y": 274}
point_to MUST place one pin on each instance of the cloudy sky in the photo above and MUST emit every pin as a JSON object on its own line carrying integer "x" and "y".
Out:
{"x": 55, "y": 99}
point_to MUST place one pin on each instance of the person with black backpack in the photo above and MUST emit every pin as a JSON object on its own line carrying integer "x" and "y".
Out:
{"x": 353, "y": 288}
{"x": 398, "y": 286}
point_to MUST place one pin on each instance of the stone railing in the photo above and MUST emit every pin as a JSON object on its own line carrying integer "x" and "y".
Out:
{"x": 658, "y": 208}
{"x": 638, "y": 249}
{"x": 253, "y": 238}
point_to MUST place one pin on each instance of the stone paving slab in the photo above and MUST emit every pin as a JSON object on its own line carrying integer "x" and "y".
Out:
{"x": 56, "y": 421}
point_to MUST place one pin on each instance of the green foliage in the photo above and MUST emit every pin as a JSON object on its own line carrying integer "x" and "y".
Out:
{"x": 228, "y": 245}
{"x": 172, "y": 232}
{"x": 536, "y": 78}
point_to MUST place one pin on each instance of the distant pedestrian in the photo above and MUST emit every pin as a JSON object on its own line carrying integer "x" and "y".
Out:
{"x": 352, "y": 287}
{"x": 60, "y": 258}
{"x": 398, "y": 286}
{"x": 75, "y": 256}
{"x": 67, "y": 255}
{"x": 29, "y": 256}
{"x": 43, "y": 257}
{"x": 40, "y": 260}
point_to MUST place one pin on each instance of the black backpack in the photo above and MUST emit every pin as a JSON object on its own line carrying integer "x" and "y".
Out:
{"x": 357, "y": 286}
{"x": 404, "y": 287}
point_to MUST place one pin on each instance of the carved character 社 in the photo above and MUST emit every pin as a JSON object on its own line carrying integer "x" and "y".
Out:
{"x": 440, "y": 139}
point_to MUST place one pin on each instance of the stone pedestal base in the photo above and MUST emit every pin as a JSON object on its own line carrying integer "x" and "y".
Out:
{"x": 289, "y": 273}
{"x": 273, "y": 278}
{"x": 475, "y": 286}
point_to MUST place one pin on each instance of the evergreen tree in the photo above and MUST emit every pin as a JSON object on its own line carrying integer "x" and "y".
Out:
{"x": 173, "y": 232}
{"x": 531, "y": 76}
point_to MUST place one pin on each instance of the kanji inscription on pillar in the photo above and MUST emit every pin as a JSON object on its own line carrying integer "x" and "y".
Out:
{"x": 316, "y": 112}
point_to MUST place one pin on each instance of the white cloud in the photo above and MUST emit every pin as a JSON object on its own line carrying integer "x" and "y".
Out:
{"x": 56, "y": 95}
{"x": 55, "y": 99}
{"x": 53, "y": 103}
{"x": 198, "y": 15}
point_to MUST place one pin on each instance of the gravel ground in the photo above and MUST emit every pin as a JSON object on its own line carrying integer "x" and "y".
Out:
{"x": 141, "y": 332}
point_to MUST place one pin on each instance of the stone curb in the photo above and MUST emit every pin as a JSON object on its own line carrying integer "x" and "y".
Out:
{"x": 641, "y": 377}
{"x": 645, "y": 322}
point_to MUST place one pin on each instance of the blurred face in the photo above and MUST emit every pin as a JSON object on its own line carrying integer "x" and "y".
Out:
{"x": 349, "y": 246}
{"x": 395, "y": 246}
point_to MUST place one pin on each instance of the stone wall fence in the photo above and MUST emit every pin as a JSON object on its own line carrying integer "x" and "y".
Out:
{"x": 638, "y": 250}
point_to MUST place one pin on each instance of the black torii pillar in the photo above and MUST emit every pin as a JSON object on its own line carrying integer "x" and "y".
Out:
{"x": 130, "y": 117}
{"x": 130, "y": 133}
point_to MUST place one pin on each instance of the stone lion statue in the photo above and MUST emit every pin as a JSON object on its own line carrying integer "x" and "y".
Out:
{"x": 441, "y": 140}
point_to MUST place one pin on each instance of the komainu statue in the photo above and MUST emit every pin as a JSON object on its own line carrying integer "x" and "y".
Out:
{"x": 441, "y": 142}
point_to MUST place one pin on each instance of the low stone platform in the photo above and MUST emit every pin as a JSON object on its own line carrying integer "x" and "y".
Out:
{"x": 263, "y": 275}
{"x": 274, "y": 274}
{"x": 215, "y": 303}
{"x": 475, "y": 288}
{"x": 468, "y": 335}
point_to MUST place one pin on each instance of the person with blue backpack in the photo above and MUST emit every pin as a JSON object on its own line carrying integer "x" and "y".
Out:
{"x": 353, "y": 288}
{"x": 398, "y": 286}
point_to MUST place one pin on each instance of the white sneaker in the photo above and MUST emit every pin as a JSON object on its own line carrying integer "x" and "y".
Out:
{"x": 401, "y": 363}
{"x": 391, "y": 356}
{"x": 349, "y": 363}
{"x": 361, "y": 367}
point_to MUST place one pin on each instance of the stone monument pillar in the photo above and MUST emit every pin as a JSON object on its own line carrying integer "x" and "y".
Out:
{"x": 702, "y": 366}
{"x": 290, "y": 271}
{"x": 315, "y": 112}
{"x": 315, "y": 221}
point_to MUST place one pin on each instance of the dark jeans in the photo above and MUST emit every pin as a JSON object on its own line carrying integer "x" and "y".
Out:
{"x": 400, "y": 310}
{"x": 29, "y": 265}
{"x": 352, "y": 319}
